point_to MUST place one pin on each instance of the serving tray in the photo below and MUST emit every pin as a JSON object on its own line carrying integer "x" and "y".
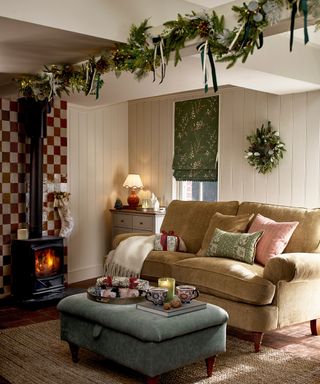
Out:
{"x": 116, "y": 295}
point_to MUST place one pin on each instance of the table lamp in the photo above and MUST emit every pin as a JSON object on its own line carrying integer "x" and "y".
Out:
{"x": 133, "y": 182}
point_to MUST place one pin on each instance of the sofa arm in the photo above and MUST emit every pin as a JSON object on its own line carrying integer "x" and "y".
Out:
{"x": 122, "y": 236}
{"x": 293, "y": 266}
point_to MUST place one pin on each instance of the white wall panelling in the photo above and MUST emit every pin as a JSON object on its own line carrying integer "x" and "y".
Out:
{"x": 295, "y": 182}
{"x": 98, "y": 165}
{"x": 99, "y": 159}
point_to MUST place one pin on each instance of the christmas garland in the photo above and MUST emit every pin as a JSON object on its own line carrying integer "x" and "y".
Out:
{"x": 144, "y": 53}
{"x": 265, "y": 150}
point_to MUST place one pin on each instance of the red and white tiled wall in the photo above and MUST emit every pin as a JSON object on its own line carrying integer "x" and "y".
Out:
{"x": 14, "y": 173}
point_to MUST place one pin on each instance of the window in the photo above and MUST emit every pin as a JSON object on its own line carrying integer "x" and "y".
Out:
{"x": 197, "y": 190}
{"x": 195, "y": 166}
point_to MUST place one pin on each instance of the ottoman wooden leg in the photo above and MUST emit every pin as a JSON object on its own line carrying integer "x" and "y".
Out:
{"x": 74, "y": 349}
{"x": 153, "y": 380}
{"x": 210, "y": 365}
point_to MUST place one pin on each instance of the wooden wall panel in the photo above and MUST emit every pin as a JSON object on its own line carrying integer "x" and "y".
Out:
{"x": 98, "y": 165}
{"x": 312, "y": 165}
{"x": 272, "y": 188}
{"x": 225, "y": 137}
{"x": 106, "y": 143}
{"x": 249, "y": 124}
{"x": 295, "y": 182}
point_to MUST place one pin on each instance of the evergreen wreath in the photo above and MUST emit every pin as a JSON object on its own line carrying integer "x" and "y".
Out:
{"x": 144, "y": 53}
{"x": 265, "y": 150}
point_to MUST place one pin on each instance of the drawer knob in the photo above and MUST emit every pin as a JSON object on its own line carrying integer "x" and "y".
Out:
{"x": 121, "y": 221}
{"x": 141, "y": 222}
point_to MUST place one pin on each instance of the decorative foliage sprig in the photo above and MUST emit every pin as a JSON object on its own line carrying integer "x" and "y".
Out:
{"x": 144, "y": 53}
{"x": 265, "y": 150}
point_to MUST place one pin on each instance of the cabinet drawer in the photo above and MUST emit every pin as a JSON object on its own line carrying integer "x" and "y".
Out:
{"x": 142, "y": 223}
{"x": 122, "y": 220}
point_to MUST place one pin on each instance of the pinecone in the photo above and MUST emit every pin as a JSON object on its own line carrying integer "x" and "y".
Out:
{"x": 203, "y": 28}
{"x": 102, "y": 65}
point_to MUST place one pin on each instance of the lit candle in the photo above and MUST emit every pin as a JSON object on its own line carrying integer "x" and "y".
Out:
{"x": 168, "y": 282}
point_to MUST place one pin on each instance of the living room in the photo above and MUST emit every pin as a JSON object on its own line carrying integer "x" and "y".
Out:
{"x": 129, "y": 129}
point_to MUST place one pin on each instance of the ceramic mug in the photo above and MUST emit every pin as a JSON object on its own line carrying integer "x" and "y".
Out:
{"x": 186, "y": 293}
{"x": 157, "y": 295}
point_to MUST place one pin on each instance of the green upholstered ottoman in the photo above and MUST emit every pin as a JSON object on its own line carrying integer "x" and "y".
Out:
{"x": 157, "y": 344}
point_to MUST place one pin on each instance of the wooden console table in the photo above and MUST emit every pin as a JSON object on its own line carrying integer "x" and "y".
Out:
{"x": 127, "y": 220}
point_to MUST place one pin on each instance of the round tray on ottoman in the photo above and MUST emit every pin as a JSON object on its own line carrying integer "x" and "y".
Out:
{"x": 118, "y": 290}
{"x": 115, "y": 295}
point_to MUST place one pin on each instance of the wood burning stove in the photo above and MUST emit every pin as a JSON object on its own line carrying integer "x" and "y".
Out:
{"x": 38, "y": 268}
{"x": 38, "y": 262}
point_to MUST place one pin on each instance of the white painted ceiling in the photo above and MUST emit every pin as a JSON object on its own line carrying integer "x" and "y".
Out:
{"x": 41, "y": 34}
{"x": 208, "y": 3}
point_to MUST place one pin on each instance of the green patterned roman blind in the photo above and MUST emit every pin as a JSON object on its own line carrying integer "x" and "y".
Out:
{"x": 196, "y": 139}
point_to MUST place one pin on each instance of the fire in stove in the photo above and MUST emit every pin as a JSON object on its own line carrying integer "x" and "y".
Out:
{"x": 47, "y": 263}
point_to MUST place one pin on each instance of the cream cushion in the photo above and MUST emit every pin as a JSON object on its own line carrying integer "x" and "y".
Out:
{"x": 226, "y": 278}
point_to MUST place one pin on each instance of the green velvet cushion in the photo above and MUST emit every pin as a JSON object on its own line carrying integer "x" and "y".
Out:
{"x": 238, "y": 246}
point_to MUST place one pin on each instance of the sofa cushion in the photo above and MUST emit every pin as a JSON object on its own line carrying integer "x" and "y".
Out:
{"x": 275, "y": 237}
{"x": 228, "y": 223}
{"x": 158, "y": 263}
{"x": 190, "y": 219}
{"x": 306, "y": 236}
{"x": 225, "y": 278}
{"x": 237, "y": 246}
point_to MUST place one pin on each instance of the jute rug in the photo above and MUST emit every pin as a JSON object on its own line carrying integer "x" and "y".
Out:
{"x": 35, "y": 355}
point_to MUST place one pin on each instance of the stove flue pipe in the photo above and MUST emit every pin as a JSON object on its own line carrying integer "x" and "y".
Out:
{"x": 32, "y": 115}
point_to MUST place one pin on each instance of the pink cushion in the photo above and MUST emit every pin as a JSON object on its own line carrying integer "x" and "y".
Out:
{"x": 276, "y": 236}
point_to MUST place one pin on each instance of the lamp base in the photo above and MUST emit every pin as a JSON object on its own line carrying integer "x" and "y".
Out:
{"x": 133, "y": 200}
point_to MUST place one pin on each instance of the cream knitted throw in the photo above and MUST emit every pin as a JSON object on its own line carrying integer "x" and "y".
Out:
{"x": 127, "y": 259}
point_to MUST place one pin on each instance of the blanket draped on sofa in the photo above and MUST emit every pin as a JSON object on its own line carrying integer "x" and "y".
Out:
{"x": 127, "y": 259}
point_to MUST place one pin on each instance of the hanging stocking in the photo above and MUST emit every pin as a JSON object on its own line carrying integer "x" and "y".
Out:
{"x": 62, "y": 204}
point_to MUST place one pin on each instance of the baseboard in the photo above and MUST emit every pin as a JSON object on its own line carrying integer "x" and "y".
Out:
{"x": 87, "y": 273}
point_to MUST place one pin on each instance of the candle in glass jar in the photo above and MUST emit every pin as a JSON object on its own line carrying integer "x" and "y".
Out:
{"x": 169, "y": 283}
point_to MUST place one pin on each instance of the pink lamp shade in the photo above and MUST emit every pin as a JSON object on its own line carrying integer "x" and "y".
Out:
{"x": 133, "y": 182}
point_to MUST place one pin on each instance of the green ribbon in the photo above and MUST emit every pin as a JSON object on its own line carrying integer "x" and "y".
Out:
{"x": 99, "y": 85}
{"x": 202, "y": 48}
{"x": 246, "y": 34}
{"x": 293, "y": 17}
{"x": 213, "y": 71}
{"x": 202, "y": 55}
{"x": 260, "y": 45}
{"x": 304, "y": 8}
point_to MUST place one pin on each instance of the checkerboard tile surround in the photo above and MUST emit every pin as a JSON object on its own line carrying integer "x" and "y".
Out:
{"x": 14, "y": 174}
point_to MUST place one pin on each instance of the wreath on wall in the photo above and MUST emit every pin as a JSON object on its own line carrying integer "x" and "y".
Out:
{"x": 144, "y": 53}
{"x": 265, "y": 150}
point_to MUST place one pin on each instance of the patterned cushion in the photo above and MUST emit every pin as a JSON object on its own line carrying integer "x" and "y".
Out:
{"x": 275, "y": 236}
{"x": 227, "y": 223}
{"x": 238, "y": 246}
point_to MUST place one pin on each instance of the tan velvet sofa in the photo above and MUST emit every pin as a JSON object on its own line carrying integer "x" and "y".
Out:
{"x": 257, "y": 298}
